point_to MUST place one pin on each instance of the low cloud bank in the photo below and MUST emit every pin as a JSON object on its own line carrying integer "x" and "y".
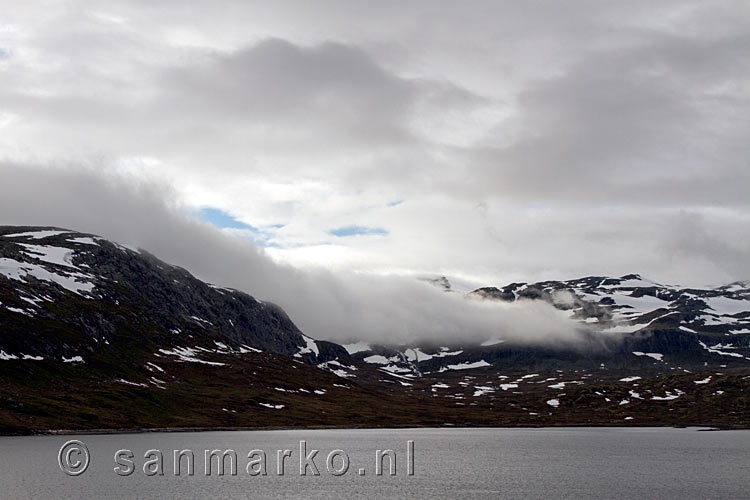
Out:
{"x": 337, "y": 307}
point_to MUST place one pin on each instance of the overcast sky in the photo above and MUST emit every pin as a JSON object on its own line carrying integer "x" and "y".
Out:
{"x": 489, "y": 142}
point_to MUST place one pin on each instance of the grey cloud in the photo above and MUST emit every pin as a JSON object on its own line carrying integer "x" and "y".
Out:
{"x": 233, "y": 109}
{"x": 277, "y": 82}
{"x": 640, "y": 125}
{"x": 700, "y": 239}
{"x": 610, "y": 117}
{"x": 695, "y": 248}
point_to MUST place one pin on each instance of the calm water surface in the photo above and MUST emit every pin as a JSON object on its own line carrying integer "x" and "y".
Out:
{"x": 576, "y": 463}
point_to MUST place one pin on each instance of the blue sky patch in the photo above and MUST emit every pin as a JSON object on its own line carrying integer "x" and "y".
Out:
{"x": 358, "y": 231}
{"x": 263, "y": 237}
{"x": 223, "y": 220}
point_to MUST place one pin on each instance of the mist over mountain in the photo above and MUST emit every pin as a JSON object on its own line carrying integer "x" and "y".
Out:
{"x": 100, "y": 318}
{"x": 325, "y": 304}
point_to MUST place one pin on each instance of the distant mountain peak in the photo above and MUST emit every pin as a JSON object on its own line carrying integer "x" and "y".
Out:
{"x": 441, "y": 282}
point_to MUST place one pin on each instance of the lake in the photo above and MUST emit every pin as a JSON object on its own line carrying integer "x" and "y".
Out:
{"x": 556, "y": 463}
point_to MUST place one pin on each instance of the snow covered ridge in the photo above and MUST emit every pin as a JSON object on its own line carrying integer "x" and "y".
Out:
{"x": 631, "y": 303}
{"x": 663, "y": 325}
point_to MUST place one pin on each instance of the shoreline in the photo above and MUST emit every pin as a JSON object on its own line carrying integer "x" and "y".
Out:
{"x": 152, "y": 430}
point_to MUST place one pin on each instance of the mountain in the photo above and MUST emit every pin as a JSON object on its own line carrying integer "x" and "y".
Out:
{"x": 627, "y": 322}
{"x": 92, "y": 290}
{"x": 97, "y": 335}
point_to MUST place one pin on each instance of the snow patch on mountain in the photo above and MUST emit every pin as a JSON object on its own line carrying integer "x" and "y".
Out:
{"x": 466, "y": 366}
{"x": 356, "y": 347}
{"x": 188, "y": 355}
{"x": 84, "y": 240}
{"x": 655, "y": 355}
{"x": 311, "y": 347}
{"x": 59, "y": 256}
{"x": 727, "y": 306}
{"x": 36, "y": 235}
{"x": 76, "y": 282}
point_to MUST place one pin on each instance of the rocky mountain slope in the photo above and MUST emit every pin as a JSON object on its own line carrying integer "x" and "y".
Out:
{"x": 91, "y": 288}
{"x": 96, "y": 335}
